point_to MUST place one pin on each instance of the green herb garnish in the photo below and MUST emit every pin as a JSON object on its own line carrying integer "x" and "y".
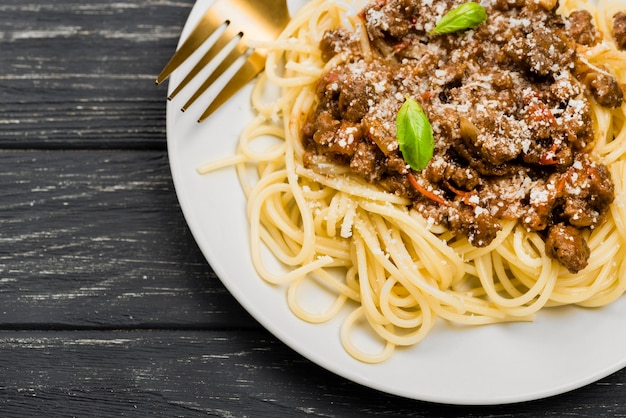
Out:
{"x": 415, "y": 135}
{"x": 466, "y": 16}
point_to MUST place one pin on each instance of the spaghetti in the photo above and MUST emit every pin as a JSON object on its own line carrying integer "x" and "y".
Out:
{"x": 390, "y": 267}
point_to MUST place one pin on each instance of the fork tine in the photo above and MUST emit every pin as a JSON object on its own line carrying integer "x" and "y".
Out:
{"x": 253, "y": 66}
{"x": 202, "y": 31}
{"x": 221, "y": 42}
{"x": 263, "y": 20}
{"x": 232, "y": 56}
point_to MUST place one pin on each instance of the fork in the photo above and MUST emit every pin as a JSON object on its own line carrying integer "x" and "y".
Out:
{"x": 240, "y": 20}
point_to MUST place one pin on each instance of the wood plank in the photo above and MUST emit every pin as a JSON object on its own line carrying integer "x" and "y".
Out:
{"x": 217, "y": 373}
{"x": 96, "y": 239}
{"x": 77, "y": 74}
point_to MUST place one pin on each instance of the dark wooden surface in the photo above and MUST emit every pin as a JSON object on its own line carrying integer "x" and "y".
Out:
{"x": 107, "y": 306}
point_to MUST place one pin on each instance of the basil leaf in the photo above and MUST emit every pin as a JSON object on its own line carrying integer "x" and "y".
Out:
{"x": 466, "y": 16}
{"x": 415, "y": 135}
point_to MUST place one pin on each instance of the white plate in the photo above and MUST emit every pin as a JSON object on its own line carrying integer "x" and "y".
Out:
{"x": 564, "y": 349}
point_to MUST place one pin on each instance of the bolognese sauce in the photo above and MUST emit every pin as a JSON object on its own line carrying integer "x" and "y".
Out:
{"x": 510, "y": 106}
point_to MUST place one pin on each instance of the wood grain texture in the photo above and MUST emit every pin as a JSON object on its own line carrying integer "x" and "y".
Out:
{"x": 107, "y": 306}
{"x": 81, "y": 74}
{"x": 219, "y": 373}
{"x": 100, "y": 233}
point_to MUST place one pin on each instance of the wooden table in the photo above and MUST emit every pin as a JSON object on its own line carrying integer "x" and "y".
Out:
{"x": 107, "y": 307}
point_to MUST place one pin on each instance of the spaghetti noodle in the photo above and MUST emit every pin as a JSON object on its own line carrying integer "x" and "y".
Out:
{"x": 391, "y": 268}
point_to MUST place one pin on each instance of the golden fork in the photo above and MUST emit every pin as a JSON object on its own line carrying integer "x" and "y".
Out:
{"x": 259, "y": 20}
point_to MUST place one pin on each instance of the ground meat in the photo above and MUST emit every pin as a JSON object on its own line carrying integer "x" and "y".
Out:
{"x": 605, "y": 89}
{"x": 366, "y": 161}
{"x": 325, "y": 126}
{"x": 446, "y": 124}
{"x": 478, "y": 226}
{"x": 335, "y": 42}
{"x": 578, "y": 124}
{"x": 472, "y": 157}
{"x": 564, "y": 89}
{"x": 619, "y": 29}
{"x": 543, "y": 52}
{"x": 566, "y": 244}
{"x": 542, "y": 200}
{"x": 506, "y": 5}
{"x": 381, "y": 133}
{"x": 399, "y": 184}
{"x": 508, "y": 103}
{"x": 587, "y": 192}
{"x": 444, "y": 169}
{"x": 354, "y": 98}
{"x": 582, "y": 29}
{"x": 390, "y": 18}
